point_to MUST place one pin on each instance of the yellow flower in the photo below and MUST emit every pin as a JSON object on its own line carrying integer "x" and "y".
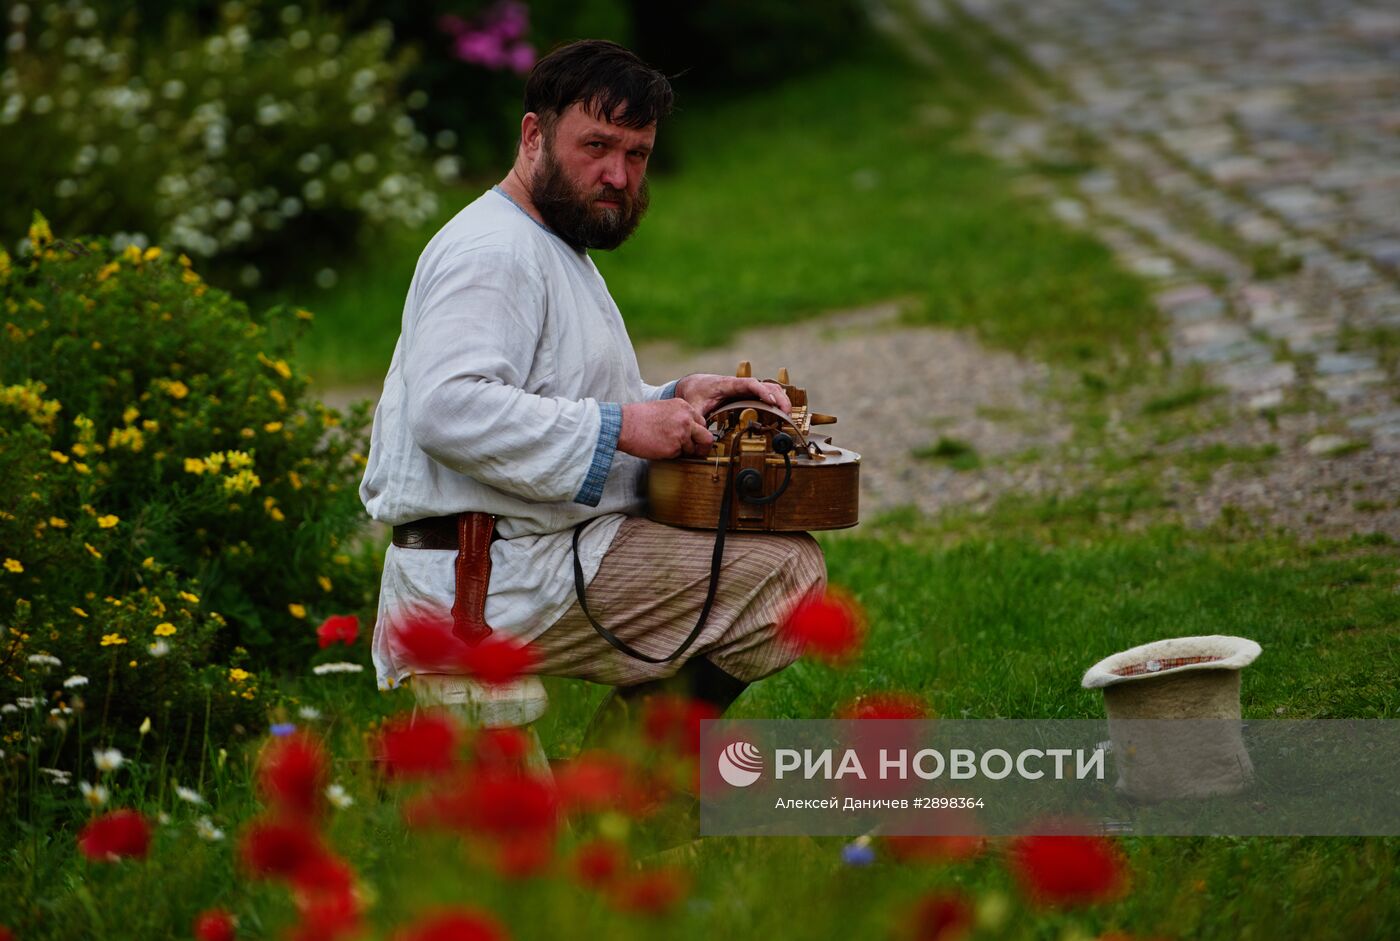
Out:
{"x": 39, "y": 232}
{"x": 149, "y": 562}
{"x": 95, "y": 553}
{"x": 237, "y": 460}
{"x": 175, "y": 388}
{"x": 278, "y": 366}
{"x": 107, "y": 270}
{"x": 164, "y": 629}
{"x": 247, "y": 432}
{"x": 277, "y": 396}
{"x": 80, "y": 612}
{"x": 194, "y": 465}
{"x": 304, "y": 314}
{"x": 245, "y": 481}
{"x": 190, "y": 597}
{"x": 79, "y": 449}
{"x": 112, "y": 640}
{"x": 131, "y": 414}
{"x": 126, "y": 437}
{"x": 341, "y": 559}
{"x": 273, "y": 426}
{"x": 235, "y": 675}
{"x": 80, "y": 467}
{"x": 58, "y": 522}
{"x": 324, "y": 582}
{"x": 298, "y": 610}
{"x": 132, "y": 253}
{"x": 108, "y": 521}
{"x": 150, "y": 424}
{"x": 152, "y": 253}
{"x": 59, "y": 456}
{"x": 185, "y": 260}
{"x": 14, "y": 565}
{"x": 294, "y": 479}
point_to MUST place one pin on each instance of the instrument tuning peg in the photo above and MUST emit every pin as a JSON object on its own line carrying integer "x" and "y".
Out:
{"x": 745, "y": 370}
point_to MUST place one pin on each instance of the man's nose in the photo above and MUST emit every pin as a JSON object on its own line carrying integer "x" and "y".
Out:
{"x": 615, "y": 172}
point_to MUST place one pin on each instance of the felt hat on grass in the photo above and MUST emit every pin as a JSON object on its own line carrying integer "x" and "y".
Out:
{"x": 1181, "y": 678}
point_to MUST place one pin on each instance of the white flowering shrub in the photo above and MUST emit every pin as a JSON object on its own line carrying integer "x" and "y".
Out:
{"x": 266, "y": 149}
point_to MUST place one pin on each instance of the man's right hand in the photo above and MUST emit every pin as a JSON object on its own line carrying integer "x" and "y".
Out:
{"x": 663, "y": 429}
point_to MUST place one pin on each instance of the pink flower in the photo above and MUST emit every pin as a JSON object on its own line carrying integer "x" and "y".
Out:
{"x": 521, "y": 58}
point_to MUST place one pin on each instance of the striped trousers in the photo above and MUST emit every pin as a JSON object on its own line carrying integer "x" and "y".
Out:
{"x": 649, "y": 591}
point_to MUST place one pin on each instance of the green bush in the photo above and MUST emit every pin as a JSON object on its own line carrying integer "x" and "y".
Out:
{"x": 268, "y": 149}
{"x": 156, "y": 447}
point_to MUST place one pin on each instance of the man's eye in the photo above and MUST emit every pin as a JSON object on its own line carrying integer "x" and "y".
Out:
{"x": 596, "y": 143}
{"x": 640, "y": 154}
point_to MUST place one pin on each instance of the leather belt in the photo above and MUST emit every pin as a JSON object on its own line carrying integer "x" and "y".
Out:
{"x": 471, "y": 534}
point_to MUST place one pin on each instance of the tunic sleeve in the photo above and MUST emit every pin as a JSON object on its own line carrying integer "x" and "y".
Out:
{"x": 468, "y": 352}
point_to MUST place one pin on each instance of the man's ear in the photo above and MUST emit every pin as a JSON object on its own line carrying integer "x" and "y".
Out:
{"x": 531, "y": 135}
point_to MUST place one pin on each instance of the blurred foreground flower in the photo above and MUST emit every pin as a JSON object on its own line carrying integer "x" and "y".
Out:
{"x": 418, "y": 746}
{"x": 934, "y": 849}
{"x": 828, "y": 626}
{"x": 675, "y": 721}
{"x": 454, "y": 925}
{"x": 942, "y": 916}
{"x": 115, "y": 835}
{"x": 1068, "y": 870}
{"x": 214, "y": 925}
{"x": 292, "y": 775}
{"x": 433, "y": 648}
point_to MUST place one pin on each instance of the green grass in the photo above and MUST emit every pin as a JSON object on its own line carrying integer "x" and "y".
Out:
{"x": 825, "y": 193}
{"x": 958, "y": 454}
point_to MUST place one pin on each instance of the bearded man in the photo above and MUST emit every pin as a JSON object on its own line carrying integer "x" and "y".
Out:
{"x": 514, "y": 410}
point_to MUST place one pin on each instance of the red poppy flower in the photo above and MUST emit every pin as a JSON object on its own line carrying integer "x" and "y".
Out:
{"x": 592, "y": 782}
{"x": 497, "y": 659}
{"x": 328, "y": 916}
{"x": 1068, "y": 870}
{"x": 675, "y": 720}
{"x": 525, "y": 856}
{"x": 508, "y": 805}
{"x": 828, "y": 626}
{"x": 115, "y": 835}
{"x": 279, "y": 849}
{"x": 597, "y": 863}
{"x": 214, "y": 925}
{"x": 940, "y": 917}
{"x": 934, "y": 849}
{"x": 500, "y": 746}
{"x": 6, "y": 934}
{"x": 884, "y": 706}
{"x": 324, "y": 874}
{"x": 418, "y": 747}
{"x": 342, "y": 628}
{"x": 292, "y": 774}
{"x": 429, "y": 643}
{"x": 652, "y": 892}
{"x": 456, "y": 925}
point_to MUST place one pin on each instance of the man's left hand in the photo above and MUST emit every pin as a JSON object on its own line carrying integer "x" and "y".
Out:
{"x": 708, "y": 392}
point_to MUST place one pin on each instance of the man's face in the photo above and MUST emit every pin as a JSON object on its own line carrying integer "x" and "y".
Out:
{"x": 590, "y": 181}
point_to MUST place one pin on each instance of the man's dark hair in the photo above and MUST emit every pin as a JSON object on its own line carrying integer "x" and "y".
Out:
{"x": 604, "y": 77}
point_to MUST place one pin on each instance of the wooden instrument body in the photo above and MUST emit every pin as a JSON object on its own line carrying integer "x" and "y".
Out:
{"x": 822, "y": 492}
{"x": 821, "y": 495}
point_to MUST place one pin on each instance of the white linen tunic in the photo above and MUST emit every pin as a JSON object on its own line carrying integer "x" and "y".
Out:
{"x": 504, "y": 396}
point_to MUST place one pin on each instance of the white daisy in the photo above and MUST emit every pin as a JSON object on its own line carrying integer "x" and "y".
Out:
{"x": 58, "y": 774}
{"x": 207, "y": 831}
{"x": 73, "y": 682}
{"x": 309, "y": 713}
{"x": 107, "y": 759}
{"x": 44, "y": 660}
{"x": 159, "y": 649}
{"x": 95, "y": 794}
{"x": 188, "y": 795}
{"x": 335, "y": 793}
{"x": 339, "y": 666}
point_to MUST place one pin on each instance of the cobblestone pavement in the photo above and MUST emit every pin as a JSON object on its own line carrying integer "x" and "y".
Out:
{"x": 1245, "y": 156}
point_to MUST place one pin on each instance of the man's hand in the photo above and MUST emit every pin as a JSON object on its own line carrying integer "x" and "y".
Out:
{"x": 663, "y": 429}
{"x": 708, "y": 392}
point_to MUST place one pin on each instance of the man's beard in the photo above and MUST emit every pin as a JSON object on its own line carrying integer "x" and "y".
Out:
{"x": 574, "y": 217}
